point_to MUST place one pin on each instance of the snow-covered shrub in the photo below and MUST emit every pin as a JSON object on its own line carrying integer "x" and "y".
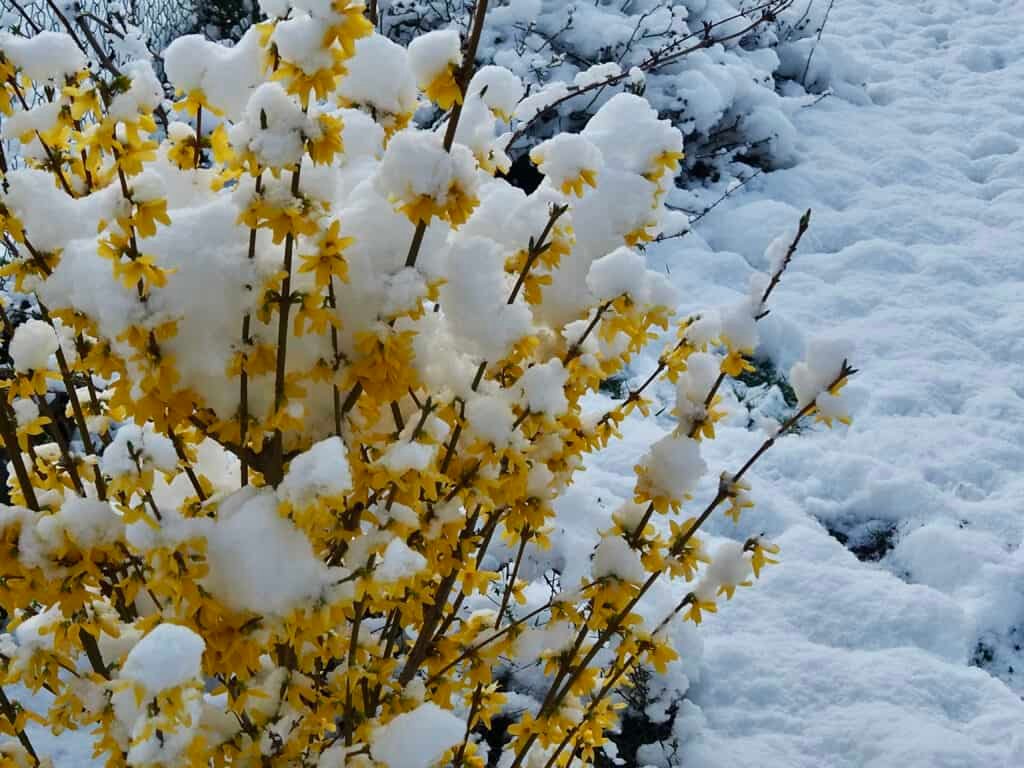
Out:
{"x": 710, "y": 66}
{"x": 328, "y": 372}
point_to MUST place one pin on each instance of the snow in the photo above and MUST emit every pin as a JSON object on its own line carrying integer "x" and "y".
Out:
{"x": 596, "y": 74}
{"x": 673, "y": 466}
{"x": 614, "y": 557}
{"x": 144, "y": 94}
{"x": 565, "y": 157}
{"x": 300, "y": 41}
{"x": 403, "y": 456}
{"x": 144, "y": 445}
{"x": 418, "y": 738}
{"x": 280, "y": 143}
{"x": 46, "y": 56}
{"x": 492, "y": 418}
{"x": 259, "y": 561}
{"x": 499, "y": 88}
{"x": 543, "y": 385}
{"x": 169, "y": 656}
{"x": 399, "y": 562}
{"x": 822, "y": 366}
{"x": 226, "y": 76}
{"x": 432, "y": 53}
{"x": 33, "y": 343}
{"x": 322, "y": 471}
{"x": 88, "y": 522}
{"x": 415, "y": 164}
{"x": 25, "y": 411}
{"x": 474, "y": 298}
{"x": 379, "y": 76}
{"x": 620, "y": 272}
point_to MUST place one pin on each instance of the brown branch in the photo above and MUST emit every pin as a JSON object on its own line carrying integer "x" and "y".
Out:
{"x": 577, "y": 345}
{"x": 9, "y": 432}
{"x": 28, "y": 19}
{"x": 243, "y": 385}
{"x": 12, "y": 716}
{"x": 464, "y": 75}
{"x": 537, "y": 248}
{"x": 276, "y": 464}
{"x": 805, "y": 222}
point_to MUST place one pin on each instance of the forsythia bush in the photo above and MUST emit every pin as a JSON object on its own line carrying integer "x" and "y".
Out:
{"x": 321, "y": 364}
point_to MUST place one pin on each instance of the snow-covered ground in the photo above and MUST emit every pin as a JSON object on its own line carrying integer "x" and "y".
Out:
{"x": 916, "y": 252}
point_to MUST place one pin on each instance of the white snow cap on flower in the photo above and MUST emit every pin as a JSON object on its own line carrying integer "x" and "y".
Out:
{"x": 299, "y": 40}
{"x": 399, "y": 562}
{"x": 543, "y": 388}
{"x": 24, "y": 123}
{"x": 280, "y": 144}
{"x": 621, "y": 271}
{"x": 474, "y": 299}
{"x": 822, "y": 366}
{"x": 628, "y": 115}
{"x": 614, "y": 557}
{"x": 729, "y": 566}
{"x": 832, "y": 406}
{"x": 88, "y": 523}
{"x": 739, "y": 326}
{"x": 704, "y": 330}
{"x": 415, "y": 163}
{"x": 259, "y": 561}
{"x": 30, "y": 633}
{"x": 148, "y": 186}
{"x": 695, "y": 382}
{"x": 565, "y": 157}
{"x": 151, "y": 449}
{"x": 674, "y": 466}
{"x": 186, "y": 61}
{"x": 179, "y": 131}
{"x": 225, "y": 75}
{"x": 25, "y": 411}
{"x": 491, "y": 417}
{"x": 629, "y": 515}
{"x": 404, "y": 455}
{"x": 322, "y": 471}
{"x": 417, "y": 739}
{"x": 33, "y": 343}
{"x": 498, "y": 88}
{"x": 44, "y": 56}
{"x": 379, "y": 76}
{"x": 432, "y": 53}
{"x": 169, "y": 656}
{"x": 143, "y": 94}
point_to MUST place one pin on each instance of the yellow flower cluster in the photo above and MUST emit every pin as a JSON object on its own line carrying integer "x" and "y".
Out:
{"x": 384, "y": 492}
